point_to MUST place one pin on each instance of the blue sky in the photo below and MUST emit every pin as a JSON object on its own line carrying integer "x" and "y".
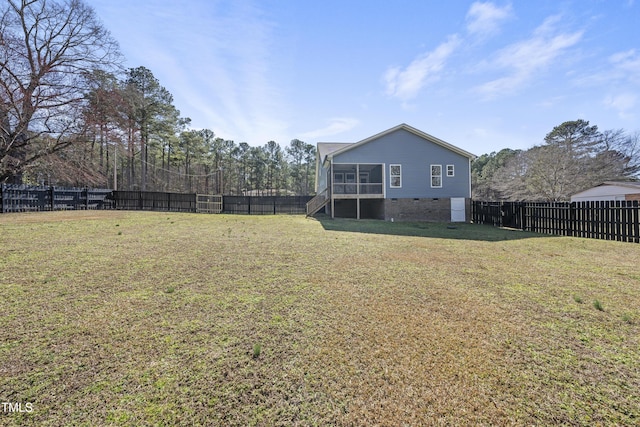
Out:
{"x": 480, "y": 75}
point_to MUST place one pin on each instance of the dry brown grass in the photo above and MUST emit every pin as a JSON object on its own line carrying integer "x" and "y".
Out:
{"x": 122, "y": 318}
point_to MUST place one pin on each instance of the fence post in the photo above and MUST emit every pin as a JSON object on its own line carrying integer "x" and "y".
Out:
{"x": 2, "y": 198}
{"x": 636, "y": 222}
{"x": 572, "y": 219}
{"x": 249, "y": 205}
{"x": 52, "y": 197}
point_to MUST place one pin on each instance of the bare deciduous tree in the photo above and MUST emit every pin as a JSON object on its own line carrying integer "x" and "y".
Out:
{"x": 575, "y": 156}
{"x": 47, "y": 48}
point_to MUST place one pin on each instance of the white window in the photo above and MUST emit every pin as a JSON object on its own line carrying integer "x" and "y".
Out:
{"x": 450, "y": 170}
{"x": 395, "y": 175}
{"x": 436, "y": 176}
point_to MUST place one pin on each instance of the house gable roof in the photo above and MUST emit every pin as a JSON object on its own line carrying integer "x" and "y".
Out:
{"x": 326, "y": 148}
{"x": 333, "y": 149}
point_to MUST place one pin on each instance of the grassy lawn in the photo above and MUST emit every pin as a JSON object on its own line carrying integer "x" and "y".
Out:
{"x": 139, "y": 318}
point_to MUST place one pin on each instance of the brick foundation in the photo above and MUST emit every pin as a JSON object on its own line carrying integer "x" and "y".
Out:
{"x": 435, "y": 210}
{"x": 421, "y": 209}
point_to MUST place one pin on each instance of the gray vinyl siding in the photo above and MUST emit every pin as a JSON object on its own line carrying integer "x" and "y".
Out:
{"x": 321, "y": 179}
{"x": 416, "y": 155}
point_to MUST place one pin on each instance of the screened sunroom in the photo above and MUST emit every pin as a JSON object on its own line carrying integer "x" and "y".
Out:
{"x": 357, "y": 181}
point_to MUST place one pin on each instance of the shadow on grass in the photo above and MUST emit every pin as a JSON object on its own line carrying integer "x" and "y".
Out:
{"x": 461, "y": 231}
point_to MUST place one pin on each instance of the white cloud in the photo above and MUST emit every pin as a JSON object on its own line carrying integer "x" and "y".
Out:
{"x": 526, "y": 59}
{"x": 551, "y": 102}
{"x": 621, "y": 68}
{"x": 239, "y": 77}
{"x": 627, "y": 65}
{"x": 336, "y": 126}
{"x": 218, "y": 60}
{"x": 484, "y": 19}
{"x": 425, "y": 69}
{"x": 622, "y": 103}
{"x": 624, "y": 57}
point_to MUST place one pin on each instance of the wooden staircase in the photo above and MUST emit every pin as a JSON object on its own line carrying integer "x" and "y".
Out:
{"x": 318, "y": 202}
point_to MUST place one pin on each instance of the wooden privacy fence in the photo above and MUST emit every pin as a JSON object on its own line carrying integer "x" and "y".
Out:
{"x": 607, "y": 220}
{"x": 27, "y": 198}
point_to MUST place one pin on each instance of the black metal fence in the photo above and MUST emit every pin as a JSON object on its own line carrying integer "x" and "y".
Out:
{"x": 26, "y": 198}
{"x": 154, "y": 201}
{"x": 264, "y": 205}
{"x": 22, "y": 198}
{"x": 178, "y": 202}
{"x": 607, "y": 220}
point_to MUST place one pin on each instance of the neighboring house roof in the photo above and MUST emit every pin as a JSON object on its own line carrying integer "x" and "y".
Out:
{"x": 608, "y": 188}
{"x": 629, "y": 184}
{"x": 328, "y": 150}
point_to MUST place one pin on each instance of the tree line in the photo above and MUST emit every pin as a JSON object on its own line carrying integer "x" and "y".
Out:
{"x": 71, "y": 115}
{"x": 573, "y": 157}
{"x": 136, "y": 134}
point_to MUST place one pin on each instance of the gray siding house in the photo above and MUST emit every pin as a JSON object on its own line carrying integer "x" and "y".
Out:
{"x": 401, "y": 174}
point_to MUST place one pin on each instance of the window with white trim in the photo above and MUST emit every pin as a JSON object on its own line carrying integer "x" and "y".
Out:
{"x": 436, "y": 176}
{"x": 450, "y": 170}
{"x": 395, "y": 176}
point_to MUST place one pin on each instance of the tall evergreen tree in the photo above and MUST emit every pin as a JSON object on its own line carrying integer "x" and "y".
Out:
{"x": 302, "y": 162}
{"x": 153, "y": 113}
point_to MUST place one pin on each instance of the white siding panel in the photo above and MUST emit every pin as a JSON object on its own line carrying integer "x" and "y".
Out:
{"x": 603, "y": 192}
